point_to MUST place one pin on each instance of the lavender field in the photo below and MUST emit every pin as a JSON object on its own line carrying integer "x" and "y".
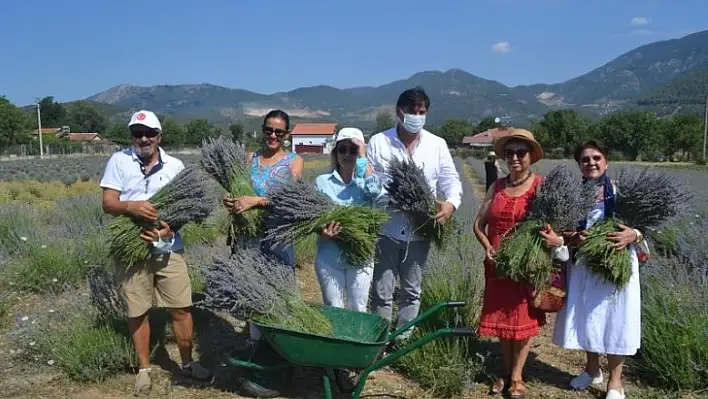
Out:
{"x": 62, "y": 334}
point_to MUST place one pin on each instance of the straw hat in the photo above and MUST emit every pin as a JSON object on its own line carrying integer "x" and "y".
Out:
{"x": 519, "y": 134}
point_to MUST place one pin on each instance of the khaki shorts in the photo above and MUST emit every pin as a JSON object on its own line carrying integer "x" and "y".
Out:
{"x": 162, "y": 280}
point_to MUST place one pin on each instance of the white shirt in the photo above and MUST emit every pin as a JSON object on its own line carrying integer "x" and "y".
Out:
{"x": 432, "y": 154}
{"x": 123, "y": 173}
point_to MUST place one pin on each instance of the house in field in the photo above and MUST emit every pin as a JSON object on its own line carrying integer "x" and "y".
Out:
{"x": 313, "y": 138}
{"x": 484, "y": 140}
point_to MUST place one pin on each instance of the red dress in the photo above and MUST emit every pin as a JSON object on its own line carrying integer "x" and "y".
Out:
{"x": 506, "y": 313}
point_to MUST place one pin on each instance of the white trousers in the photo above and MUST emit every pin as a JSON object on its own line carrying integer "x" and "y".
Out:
{"x": 337, "y": 282}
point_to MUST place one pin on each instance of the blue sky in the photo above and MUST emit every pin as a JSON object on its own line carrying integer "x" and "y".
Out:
{"x": 72, "y": 49}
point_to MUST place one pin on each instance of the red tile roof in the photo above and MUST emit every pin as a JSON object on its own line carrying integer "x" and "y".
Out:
{"x": 83, "y": 136}
{"x": 485, "y": 138}
{"x": 314, "y": 129}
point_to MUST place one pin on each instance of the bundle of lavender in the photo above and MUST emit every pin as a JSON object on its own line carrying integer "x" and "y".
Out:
{"x": 409, "y": 192}
{"x": 298, "y": 209}
{"x": 227, "y": 163}
{"x": 185, "y": 199}
{"x": 560, "y": 202}
{"x": 253, "y": 285}
{"x": 645, "y": 199}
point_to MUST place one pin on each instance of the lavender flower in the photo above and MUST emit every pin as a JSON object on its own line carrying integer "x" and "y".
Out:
{"x": 563, "y": 199}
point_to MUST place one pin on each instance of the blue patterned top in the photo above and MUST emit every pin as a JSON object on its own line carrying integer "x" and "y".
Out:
{"x": 266, "y": 178}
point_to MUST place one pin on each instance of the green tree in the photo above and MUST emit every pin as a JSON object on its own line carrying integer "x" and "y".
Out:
{"x": 384, "y": 121}
{"x": 173, "y": 134}
{"x": 199, "y": 129}
{"x": 53, "y": 114}
{"x": 681, "y": 134}
{"x": 14, "y": 124}
{"x": 118, "y": 133}
{"x": 453, "y": 130}
{"x": 632, "y": 133}
{"x": 85, "y": 117}
{"x": 486, "y": 124}
{"x": 561, "y": 129}
{"x": 237, "y": 132}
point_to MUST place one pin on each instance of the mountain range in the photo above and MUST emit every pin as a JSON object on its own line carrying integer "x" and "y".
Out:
{"x": 664, "y": 76}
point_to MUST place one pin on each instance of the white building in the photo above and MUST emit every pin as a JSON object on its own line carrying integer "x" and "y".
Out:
{"x": 313, "y": 138}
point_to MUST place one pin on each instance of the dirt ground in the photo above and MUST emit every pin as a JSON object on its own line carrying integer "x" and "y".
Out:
{"x": 548, "y": 372}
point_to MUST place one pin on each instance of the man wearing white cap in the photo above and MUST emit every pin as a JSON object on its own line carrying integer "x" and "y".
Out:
{"x": 402, "y": 253}
{"x": 351, "y": 181}
{"x": 131, "y": 177}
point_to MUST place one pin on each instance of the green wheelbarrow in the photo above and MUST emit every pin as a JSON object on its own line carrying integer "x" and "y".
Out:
{"x": 356, "y": 345}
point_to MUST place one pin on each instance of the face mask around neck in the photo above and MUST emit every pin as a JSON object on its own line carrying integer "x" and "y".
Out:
{"x": 413, "y": 123}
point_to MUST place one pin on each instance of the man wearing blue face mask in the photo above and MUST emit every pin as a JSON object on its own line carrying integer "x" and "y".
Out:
{"x": 401, "y": 252}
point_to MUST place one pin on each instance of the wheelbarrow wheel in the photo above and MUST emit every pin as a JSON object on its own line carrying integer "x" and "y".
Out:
{"x": 260, "y": 384}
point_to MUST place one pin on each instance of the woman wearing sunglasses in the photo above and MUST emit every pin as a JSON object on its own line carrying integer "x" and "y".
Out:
{"x": 271, "y": 166}
{"x": 351, "y": 181}
{"x": 506, "y": 311}
{"x": 596, "y": 317}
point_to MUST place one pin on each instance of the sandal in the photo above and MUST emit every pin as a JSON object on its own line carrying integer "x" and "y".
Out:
{"x": 498, "y": 387}
{"x": 517, "y": 389}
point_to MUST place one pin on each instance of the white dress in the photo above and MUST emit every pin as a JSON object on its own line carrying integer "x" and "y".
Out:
{"x": 596, "y": 317}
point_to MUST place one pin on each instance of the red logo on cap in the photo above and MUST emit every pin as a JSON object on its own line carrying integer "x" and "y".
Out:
{"x": 141, "y": 116}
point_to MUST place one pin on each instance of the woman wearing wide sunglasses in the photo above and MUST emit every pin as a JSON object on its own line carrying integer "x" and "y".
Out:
{"x": 271, "y": 167}
{"x": 350, "y": 182}
{"x": 506, "y": 311}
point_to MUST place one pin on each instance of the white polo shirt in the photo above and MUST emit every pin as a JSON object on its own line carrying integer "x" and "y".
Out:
{"x": 432, "y": 154}
{"x": 123, "y": 173}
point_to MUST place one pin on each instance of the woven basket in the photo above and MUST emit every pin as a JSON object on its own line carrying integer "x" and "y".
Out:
{"x": 549, "y": 300}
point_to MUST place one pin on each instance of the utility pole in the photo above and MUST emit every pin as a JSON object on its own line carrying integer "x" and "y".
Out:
{"x": 39, "y": 131}
{"x": 705, "y": 129}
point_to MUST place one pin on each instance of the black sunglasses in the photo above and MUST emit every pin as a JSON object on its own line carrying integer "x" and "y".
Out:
{"x": 149, "y": 133}
{"x": 586, "y": 159}
{"x": 342, "y": 149}
{"x": 520, "y": 153}
{"x": 267, "y": 130}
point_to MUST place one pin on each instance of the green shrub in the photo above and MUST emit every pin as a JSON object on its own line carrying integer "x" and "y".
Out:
{"x": 199, "y": 233}
{"x": 446, "y": 366}
{"x": 86, "y": 347}
{"x": 674, "y": 353}
{"x": 47, "y": 267}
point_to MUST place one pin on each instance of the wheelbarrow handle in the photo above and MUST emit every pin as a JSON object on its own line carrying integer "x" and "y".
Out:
{"x": 464, "y": 332}
{"x": 433, "y": 309}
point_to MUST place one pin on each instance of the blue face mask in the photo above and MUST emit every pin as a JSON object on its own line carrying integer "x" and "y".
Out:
{"x": 413, "y": 123}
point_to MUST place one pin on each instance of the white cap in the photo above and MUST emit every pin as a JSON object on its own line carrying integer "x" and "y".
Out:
{"x": 146, "y": 118}
{"x": 492, "y": 154}
{"x": 349, "y": 133}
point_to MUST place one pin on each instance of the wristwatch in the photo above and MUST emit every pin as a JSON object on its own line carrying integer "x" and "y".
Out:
{"x": 640, "y": 236}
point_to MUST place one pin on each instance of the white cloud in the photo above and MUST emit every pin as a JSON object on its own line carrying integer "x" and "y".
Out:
{"x": 639, "y": 21}
{"x": 501, "y": 47}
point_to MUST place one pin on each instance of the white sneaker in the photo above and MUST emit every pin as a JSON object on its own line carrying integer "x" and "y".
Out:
{"x": 615, "y": 394}
{"x": 584, "y": 380}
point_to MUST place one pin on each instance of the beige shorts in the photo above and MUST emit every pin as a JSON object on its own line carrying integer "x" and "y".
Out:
{"x": 162, "y": 280}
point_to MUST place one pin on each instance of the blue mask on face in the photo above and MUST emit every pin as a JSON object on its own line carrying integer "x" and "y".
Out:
{"x": 413, "y": 123}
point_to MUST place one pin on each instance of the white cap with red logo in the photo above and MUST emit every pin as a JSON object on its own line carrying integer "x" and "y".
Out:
{"x": 145, "y": 118}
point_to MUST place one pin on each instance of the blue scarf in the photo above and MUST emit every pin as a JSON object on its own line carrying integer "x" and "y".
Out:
{"x": 608, "y": 196}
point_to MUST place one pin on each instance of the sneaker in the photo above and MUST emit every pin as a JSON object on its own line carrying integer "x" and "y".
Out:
{"x": 585, "y": 380}
{"x": 196, "y": 370}
{"x": 615, "y": 394}
{"x": 143, "y": 383}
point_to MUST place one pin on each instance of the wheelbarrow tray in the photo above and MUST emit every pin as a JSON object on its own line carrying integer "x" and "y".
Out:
{"x": 357, "y": 341}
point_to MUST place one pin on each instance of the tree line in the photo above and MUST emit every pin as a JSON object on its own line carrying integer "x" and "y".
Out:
{"x": 631, "y": 135}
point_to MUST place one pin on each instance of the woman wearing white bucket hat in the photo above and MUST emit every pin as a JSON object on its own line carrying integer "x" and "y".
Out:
{"x": 350, "y": 182}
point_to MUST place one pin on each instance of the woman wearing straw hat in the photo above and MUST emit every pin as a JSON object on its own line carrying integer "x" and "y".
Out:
{"x": 506, "y": 311}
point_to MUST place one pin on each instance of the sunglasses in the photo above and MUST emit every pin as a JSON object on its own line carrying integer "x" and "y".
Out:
{"x": 586, "y": 159}
{"x": 144, "y": 133}
{"x": 520, "y": 153}
{"x": 267, "y": 130}
{"x": 352, "y": 150}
